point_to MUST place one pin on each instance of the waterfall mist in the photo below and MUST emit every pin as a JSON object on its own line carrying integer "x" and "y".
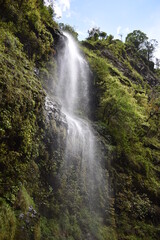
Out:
{"x": 82, "y": 155}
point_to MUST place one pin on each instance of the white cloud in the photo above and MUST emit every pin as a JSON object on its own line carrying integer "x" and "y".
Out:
{"x": 57, "y": 10}
{"x": 60, "y": 6}
{"x": 48, "y": 2}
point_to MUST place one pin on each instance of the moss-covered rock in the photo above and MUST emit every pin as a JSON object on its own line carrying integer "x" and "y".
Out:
{"x": 127, "y": 109}
{"x": 7, "y": 221}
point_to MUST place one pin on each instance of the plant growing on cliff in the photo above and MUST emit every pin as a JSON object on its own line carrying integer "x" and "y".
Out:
{"x": 140, "y": 42}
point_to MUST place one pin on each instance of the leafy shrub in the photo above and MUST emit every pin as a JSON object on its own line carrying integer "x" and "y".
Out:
{"x": 7, "y": 221}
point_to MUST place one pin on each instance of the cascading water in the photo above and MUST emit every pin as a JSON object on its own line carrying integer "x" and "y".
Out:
{"x": 72, "y": 89}
{"x": 81, "y": 178}
{"x": 73, "y": 94}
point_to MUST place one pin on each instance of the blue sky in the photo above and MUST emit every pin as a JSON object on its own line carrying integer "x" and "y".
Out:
{"x": 112, "y": 16}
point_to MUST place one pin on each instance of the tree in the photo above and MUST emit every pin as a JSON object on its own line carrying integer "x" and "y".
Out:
{"x": 94, "y": 33}
{"x": 103, "y": 35}
{"x": 110, "y": 39}
{"x": 140, "y": 41}
{"x": 157, "y": 63}
{"x": 136, "y": 39}
{"x": 150, "y": 48}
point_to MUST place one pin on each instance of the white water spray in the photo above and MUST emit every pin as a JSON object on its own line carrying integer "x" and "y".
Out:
{"x": 72, "y": 89}
{"x": 73, "y": 94}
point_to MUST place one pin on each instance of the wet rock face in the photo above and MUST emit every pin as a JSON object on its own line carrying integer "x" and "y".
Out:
{"x": 61, "y": 42}
{"x": 56, "y": 122}
{"x": 59, "y": 38}
{"x": 56, "y": 33}
{"x": 145, "y": 70}
{"x": 53, "y": 111}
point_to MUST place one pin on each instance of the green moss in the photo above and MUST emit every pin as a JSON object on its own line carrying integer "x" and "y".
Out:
{"x": 123, "y": 107}
{"x": 7, "y": 221}
{"x": 30, "y": 22}
{"x": 24, "y": 201}
{"x": 108, "y": 233}
{"x": 22, "y": 101}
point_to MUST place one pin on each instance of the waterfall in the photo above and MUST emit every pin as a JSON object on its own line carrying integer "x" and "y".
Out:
{"x": 81, "y": 152}
{"x": 72, "y": 89}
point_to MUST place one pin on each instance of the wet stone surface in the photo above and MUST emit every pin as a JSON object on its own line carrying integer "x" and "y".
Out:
{"x": 53, "y": 111}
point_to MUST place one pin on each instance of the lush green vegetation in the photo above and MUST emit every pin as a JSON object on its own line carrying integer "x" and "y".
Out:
{"x": 127, "y": 107}
{"x": 30, "y": 21}
{"x": 25, "y": 45}
{"x": 37, "y": 200}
